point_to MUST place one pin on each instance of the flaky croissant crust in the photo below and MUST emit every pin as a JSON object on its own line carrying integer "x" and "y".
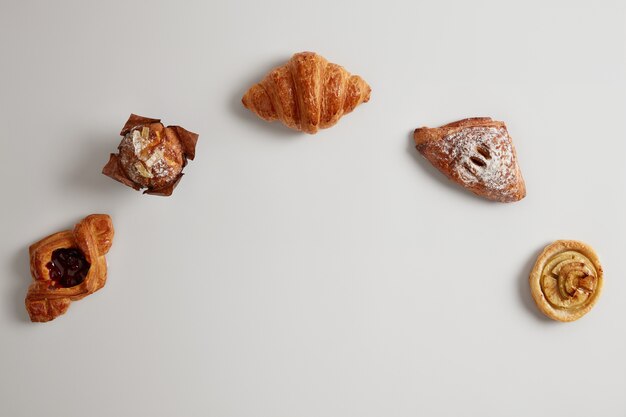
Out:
{"x": 93, "y": 236}
{"x": 308, "y": 93}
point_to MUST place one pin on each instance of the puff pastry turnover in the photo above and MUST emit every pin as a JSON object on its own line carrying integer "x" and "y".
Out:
{"x": 566, "y": 280}
{"x": 478, "y": 154}
{"x": 308, "y": 93}
{"x": 68, "y": 266}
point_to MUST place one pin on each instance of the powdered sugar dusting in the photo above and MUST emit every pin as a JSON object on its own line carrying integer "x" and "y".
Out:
{"x": 160, "y": 168}
{"x": 483, "y": 155}
{"x": 152, "y": 160}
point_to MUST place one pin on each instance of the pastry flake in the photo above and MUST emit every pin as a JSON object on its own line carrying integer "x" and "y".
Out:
{"x": 566, "y": 280}
{"x": 308, "y": 93}
{"x": 478, "y": 154}
{"x": 151, "y": 156}
{"x": 68, "y": 266}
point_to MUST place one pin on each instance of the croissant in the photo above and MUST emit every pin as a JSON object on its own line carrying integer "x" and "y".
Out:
{"x": 566, "y": 280}
{"x": 478, "y": 154}
{"x": 68, "y": 266}
{"x": 308, "y": 93}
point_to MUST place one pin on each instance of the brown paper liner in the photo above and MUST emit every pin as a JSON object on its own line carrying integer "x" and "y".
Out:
{"x": 187, "y": 139}
{"x": 113, "y": 170}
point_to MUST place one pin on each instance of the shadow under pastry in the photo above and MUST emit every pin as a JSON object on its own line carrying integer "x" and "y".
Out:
{"x": 21, "y": 270}
{"x": 523, "y": 288}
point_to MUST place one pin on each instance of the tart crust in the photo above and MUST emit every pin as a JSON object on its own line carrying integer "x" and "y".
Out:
{"x": 567, "y": 280}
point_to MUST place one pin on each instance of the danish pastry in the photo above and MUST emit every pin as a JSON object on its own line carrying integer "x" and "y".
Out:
{"x": 478, "y": 154}
{"x": 151, "y": 156}
{"x": 308, "y": 93}
{"x": 566, "y": 280}
{"x": 68, "y": 266}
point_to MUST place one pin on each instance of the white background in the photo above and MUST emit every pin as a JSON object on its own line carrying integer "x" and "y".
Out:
{"x": 328, "y": 275}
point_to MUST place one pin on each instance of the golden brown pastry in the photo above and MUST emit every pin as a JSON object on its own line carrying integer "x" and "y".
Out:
{"x": 478, "y": 154}
{"x": 68, "y": 266}
{"x": 151, "y": 156}
{"x": 308, "y": 93}
{"x": 566, "y": 280}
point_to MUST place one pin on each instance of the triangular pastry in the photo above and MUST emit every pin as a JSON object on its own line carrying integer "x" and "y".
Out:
{"x": 477, "y": 153}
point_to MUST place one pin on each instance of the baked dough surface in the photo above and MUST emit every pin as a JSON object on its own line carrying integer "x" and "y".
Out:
{"x": 566, "y": 280}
